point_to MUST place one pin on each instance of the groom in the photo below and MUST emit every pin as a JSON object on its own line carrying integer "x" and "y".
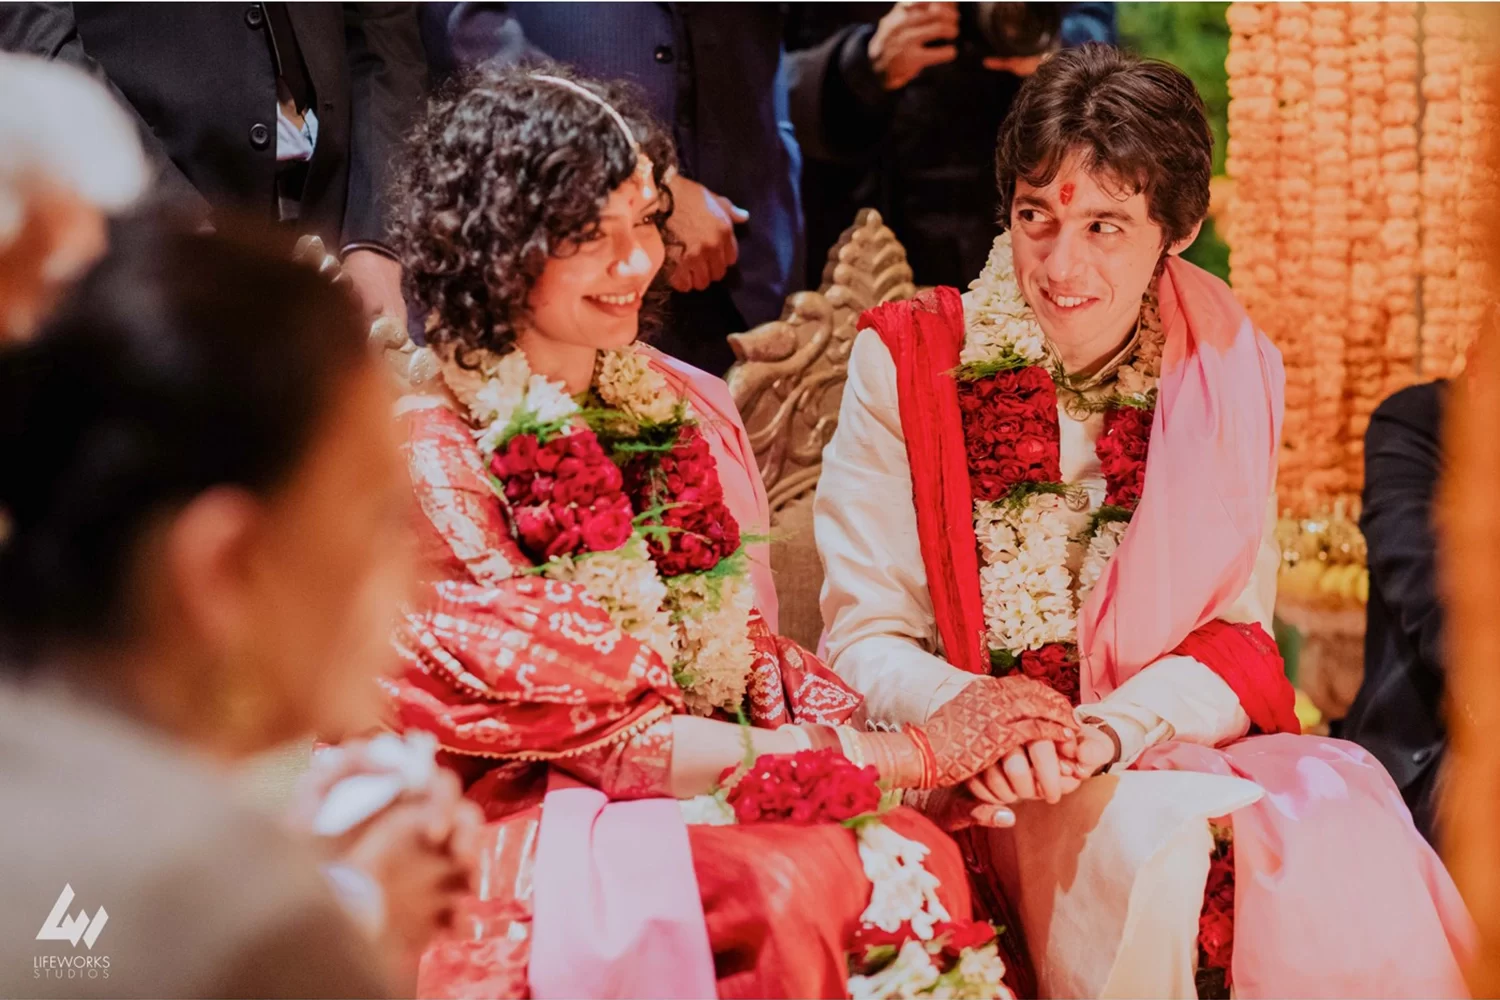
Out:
{"x": 972, "y": 515}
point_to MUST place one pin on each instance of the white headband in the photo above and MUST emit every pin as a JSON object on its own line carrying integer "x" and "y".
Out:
{"x": 643, "y": 164}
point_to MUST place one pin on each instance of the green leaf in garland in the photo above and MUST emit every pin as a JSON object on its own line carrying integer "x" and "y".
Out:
{"x": 1020, "y": 493}
{"x": 1107, "y": 514}
{"x": 1003, "y": 660}
{"x": 977, "y": 371}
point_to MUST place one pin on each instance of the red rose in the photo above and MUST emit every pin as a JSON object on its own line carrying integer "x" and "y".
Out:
{"x": 606, "y": 527}
{"x": 1054, "y": 665}
{"x": 1122, "y": 452}
{"x": 569, "y": 537}
{"x": 964, "y": 934}
{"x": 1216, "y": 922}
{"x": 1030, "y": 450}
{"x": 520, "y": 453}
{"x": 1216, "y": 939}
{"x": 700, "y": 535}
{"x": 536, "y": 527}
{"x": 552, "y": 453}
{"x": 812, "y": 786}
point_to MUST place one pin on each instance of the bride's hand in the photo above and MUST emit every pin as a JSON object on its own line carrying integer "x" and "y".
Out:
{"x": 990, "y": 719}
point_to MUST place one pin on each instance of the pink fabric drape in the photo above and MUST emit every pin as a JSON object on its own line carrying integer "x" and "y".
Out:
{"x": 617, "y": 907}
{"x": 727, "y": 438}
{"x": 1336, "y": 893}
{"x": 1210, "y": 469}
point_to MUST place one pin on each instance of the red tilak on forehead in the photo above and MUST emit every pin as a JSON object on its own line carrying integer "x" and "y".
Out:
{"x": 1066, "y": 194}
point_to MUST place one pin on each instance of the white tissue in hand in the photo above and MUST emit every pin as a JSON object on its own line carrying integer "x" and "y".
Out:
{"x": 409, "y": 766}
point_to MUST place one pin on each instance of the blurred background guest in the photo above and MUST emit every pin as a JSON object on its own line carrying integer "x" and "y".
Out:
{"x": 898, "y": 107}
{"x": 68, "y": 156}
{"x": 290, "y": 112}
{"x": 712, "y": 73}
{"x": 1398, "y": 714}
{"x": 206, "y": 523}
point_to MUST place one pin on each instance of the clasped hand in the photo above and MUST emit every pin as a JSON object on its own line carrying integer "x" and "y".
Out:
{"x": 1044, "y": 770}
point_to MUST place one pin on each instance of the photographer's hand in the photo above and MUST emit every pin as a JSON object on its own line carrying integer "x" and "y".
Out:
{"x": 901, "y": 46}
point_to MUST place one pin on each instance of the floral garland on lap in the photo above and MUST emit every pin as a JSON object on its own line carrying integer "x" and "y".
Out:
{"x": 907, "y": 944}
{"x": 1041, "y": 551}
{"x": 619, "y": 494}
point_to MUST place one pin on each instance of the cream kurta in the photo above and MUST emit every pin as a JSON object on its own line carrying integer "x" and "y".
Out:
{"x": 1114, "y": 874}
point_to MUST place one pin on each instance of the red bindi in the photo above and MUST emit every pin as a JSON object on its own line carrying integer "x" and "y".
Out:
{"x": 1066, "y": 194}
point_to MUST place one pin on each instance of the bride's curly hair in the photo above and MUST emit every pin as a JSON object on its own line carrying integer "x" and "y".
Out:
{"x": 502, "y": 172}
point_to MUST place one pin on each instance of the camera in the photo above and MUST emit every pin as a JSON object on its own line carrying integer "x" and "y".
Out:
{"x": 1008, "y": 29}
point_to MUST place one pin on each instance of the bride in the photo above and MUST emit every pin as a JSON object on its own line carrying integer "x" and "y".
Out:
{"x": 598, "y": 618}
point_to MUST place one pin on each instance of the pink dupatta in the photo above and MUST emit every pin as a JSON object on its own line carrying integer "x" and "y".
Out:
{"x": 1210, "y": 468}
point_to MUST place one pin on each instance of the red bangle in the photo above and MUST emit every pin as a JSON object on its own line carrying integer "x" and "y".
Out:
{"x": 924, "y": 750}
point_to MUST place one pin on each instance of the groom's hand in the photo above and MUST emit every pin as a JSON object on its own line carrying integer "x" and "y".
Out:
{"x": 1096, "y": 749}
{"x": 1038, "y": 771}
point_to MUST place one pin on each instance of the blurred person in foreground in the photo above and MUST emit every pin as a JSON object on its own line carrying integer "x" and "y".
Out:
{"x": 68, "y": 158}
{"x": 204, "y": 526}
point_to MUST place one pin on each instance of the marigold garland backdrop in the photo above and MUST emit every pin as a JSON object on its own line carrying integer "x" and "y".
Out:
{"x": 1354, "y": 177}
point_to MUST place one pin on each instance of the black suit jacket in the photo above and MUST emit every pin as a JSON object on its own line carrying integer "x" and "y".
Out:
{"x": 1398, "y": 714}
{"x": 201, "y": 81}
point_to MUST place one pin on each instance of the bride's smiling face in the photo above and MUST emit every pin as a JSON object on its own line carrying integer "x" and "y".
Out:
{"x": 591, "y": 291}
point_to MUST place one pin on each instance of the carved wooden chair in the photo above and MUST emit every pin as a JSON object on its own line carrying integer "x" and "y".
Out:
{"x": 788, "y": 383}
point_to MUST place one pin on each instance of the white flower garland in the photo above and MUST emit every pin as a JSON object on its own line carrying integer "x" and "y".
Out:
{"x": 700, "y": 627}
{"x": 1025, "y": 583}
{"x": 978, "y": 976}
{"x": 1028, "y": 548}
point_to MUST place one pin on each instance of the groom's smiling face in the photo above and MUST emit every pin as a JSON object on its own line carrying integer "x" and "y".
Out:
{"x": 1085, "y": 251}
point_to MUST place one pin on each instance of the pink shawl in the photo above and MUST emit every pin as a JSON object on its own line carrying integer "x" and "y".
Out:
{"x": 1210, "y": 469}
{"x": 617, "y": 910}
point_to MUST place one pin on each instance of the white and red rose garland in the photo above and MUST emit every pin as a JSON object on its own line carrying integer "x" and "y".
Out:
{"x": 1033, "y": 529}
{"x": 1041, "y": 551}
{"x": 621, "y": 496}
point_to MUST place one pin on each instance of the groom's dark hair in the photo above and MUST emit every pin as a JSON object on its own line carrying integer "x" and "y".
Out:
{"x": 1140, "y": 121}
